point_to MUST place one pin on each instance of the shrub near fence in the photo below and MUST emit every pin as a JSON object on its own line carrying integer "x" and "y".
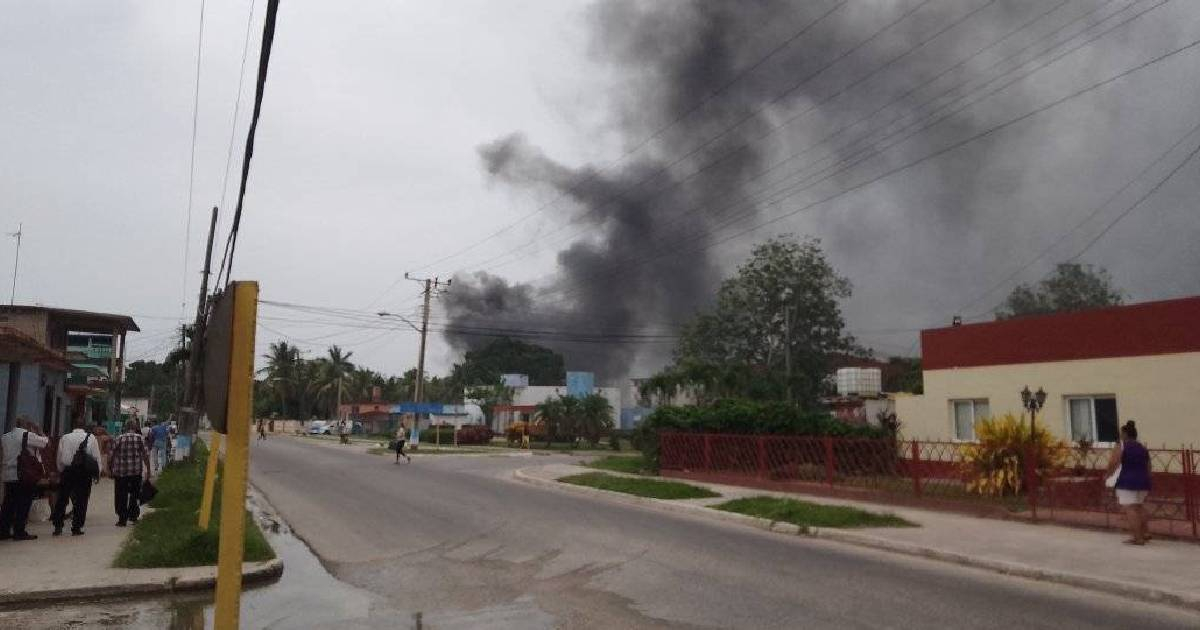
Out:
{"x": 740, "y": 417}
{"x": 1066, "y": 485}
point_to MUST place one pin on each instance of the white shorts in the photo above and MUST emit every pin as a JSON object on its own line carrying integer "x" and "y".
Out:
{"x": 1131, "y": 497}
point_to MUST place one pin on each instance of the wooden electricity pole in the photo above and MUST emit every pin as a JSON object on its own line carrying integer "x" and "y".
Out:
{"x": 431, "y": 285}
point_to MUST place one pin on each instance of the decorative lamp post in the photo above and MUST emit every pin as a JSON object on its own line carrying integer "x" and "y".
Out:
{"x": 1033, "y": 402}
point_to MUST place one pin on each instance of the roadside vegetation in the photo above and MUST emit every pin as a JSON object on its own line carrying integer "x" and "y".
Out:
{"x": 807, "y": 514}
{"x": 169, "y": 537}
{"x": 650, "y": 488}
{"x": 632, "y": 464}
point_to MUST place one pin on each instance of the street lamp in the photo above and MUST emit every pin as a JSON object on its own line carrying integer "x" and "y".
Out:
{"x": 1033, "y": 402}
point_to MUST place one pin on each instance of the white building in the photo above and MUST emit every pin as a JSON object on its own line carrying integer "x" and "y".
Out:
{"x": 527, "y": 398}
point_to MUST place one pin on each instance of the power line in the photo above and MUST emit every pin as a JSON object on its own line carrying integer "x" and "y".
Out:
{"x": 888, "y": 173}
{"x": 782, "y": 125}
{"x": 1136, "y": 204}
{"x": 744, "y": 72}
{"x": 237, "y": 105}
{"x": 750, "y": 116}
{"x": 264, "y": 60}
{"x": 187, "y": 232}
{"x": 640, "y": 145}
{"x": 1065, "y": 235}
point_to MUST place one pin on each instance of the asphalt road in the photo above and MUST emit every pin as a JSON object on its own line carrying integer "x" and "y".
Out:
{"x": 458, "y": 541}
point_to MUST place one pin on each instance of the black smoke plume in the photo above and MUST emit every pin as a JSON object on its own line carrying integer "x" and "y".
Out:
{"x": 694, "y": 85}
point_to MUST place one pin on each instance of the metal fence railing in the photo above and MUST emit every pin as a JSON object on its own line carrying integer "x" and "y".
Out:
{"x": 1061, "y": 484}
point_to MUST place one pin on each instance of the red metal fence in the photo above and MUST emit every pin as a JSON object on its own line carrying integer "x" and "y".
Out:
{"x": 1064, "y": 485}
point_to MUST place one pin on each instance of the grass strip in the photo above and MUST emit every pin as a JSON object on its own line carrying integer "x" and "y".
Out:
{"x": 652, "y": 488}
{"x": 169, "y": 537}
{"x": 807, "y": 514}
{"x": 635, "y": 465}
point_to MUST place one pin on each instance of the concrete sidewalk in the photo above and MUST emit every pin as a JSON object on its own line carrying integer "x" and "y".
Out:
{"x": 80, "y": 567}
{"x": 1162, "y": 571}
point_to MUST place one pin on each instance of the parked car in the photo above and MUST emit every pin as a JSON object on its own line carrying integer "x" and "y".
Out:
{"x": 330, "y": 427}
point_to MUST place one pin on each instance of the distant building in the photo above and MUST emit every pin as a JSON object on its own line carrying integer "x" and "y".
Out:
{"x": 61, "y": 364}
{"x": 1099, "y": 368}
{"x": 526, "y": 399}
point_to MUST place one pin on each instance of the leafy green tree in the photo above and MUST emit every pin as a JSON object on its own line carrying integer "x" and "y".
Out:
{"x": 506, "y": 355}
{"x": 490, "y": 396}
{"x": 151, "y": 379}
{"x": 903, "y": 375}
{"x": 1072, "y": 287}
{"x": 740, "y": 347}
{"x": 595, "y": 418}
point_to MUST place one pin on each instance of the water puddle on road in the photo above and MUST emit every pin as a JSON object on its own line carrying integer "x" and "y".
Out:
{"x": 305, "y": 596}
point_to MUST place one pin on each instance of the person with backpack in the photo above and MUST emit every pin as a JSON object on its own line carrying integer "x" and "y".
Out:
{"x": 21, "y": 477}
{"x": 79, "y": 466}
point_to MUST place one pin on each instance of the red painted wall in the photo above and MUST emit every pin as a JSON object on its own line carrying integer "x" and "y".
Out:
{"x": 1150, "y": 328}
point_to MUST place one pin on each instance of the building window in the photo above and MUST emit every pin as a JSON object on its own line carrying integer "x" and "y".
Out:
{"x": 966, "y": 414}
{"x": 1093, "y": 418}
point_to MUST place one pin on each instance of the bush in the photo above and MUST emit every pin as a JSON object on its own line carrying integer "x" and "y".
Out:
{"x": 474, "y": 434}
{"x": 442, "y": 433}
{"x": 742, "y": 417}
{"x": 995, "y": 465}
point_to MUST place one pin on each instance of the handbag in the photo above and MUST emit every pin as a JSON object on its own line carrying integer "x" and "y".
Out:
{"x": 147, "y": 493}
{"x": 1111, "y": 481}
{"x": 83, "y": 462}
{"x": 31, "y": 472}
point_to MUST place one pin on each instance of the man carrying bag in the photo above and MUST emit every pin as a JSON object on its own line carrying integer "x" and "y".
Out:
{"x": 79, "y": 463}
{"x": 22, "y": 473}
{"x": 128, "y": 459}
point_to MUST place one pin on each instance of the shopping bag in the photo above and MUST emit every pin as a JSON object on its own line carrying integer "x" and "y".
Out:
{"x": 147, "y": 493}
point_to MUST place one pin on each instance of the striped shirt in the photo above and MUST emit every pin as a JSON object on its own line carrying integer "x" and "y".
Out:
{"x": 128, "y": 453}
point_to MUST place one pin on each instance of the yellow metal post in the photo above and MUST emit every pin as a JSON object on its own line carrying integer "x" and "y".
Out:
{"x": 237, "y": 455}
{"x": 210, "y": 482}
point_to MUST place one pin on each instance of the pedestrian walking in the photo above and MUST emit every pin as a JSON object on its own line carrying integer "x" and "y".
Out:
{"x": 105, "y": 442}
{"x": 159, "y": 434}
{"x": 79, "y": 468}
{"x": 262, "y": 430}
{"x": 24, "y": 439}
{"x": 128, "y": 459}
{"x": 399, "y": 444}
{"x": 1130, "y": 461}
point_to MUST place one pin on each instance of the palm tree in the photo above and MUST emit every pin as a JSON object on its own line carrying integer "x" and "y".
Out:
{"x": 552, "y": 412}
{"x": 595, "y": 417}
{"x": 331, "y": 374}
{"x": 283, "y": 360}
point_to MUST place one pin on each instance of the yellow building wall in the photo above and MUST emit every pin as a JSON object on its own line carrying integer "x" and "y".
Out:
{"x": 1161, "y": 393}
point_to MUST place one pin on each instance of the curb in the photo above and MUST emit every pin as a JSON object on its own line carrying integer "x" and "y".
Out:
{"x": 1128, "y": 590}
{"x": 334, "y": 444}
{"x": 252, "y": 573}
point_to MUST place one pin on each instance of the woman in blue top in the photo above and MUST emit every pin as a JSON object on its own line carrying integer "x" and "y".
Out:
{"x": 1133, "y": 482}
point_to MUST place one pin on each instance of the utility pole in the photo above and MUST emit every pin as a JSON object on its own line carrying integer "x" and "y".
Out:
{"x": 787, "y": 348}
{"x": 420, "y": 387}
{"x": 16, "y": 261}
{"x": 431, "y": 285}
{"x": 188, "y": 420}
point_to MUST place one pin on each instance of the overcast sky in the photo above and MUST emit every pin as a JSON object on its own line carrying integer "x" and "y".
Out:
{"x": 367, "y": 161}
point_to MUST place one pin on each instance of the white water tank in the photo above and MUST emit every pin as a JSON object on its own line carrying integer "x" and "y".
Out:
{"x": 864, "y": 382}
